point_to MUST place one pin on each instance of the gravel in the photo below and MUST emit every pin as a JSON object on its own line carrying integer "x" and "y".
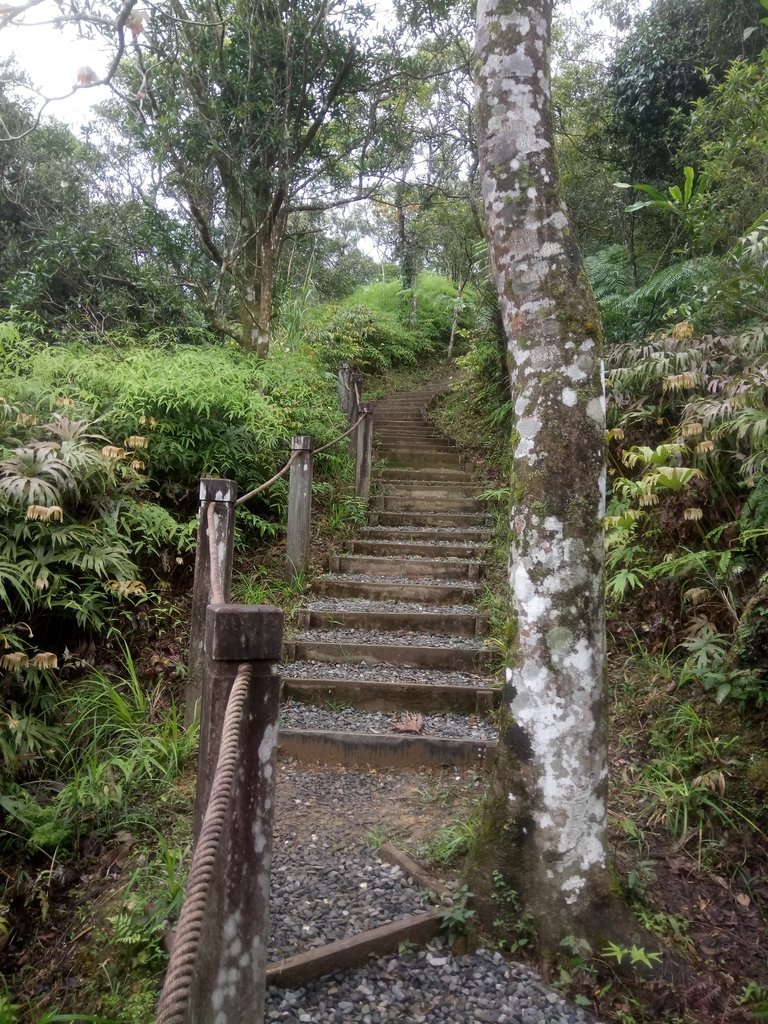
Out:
{"x": 470, "y": 545}
{"x": 401, "y": 638}
{"x": 381, "y": 673}
{"x": 295, "y": 715}
{"x": 420, "y": 558}
{"x": 361, "y": 577}
{"x": 359, "y": 604}
{"x": 433, "y": 986}
{"x": 459, "y": 531}
{"x": 319, "y": 894}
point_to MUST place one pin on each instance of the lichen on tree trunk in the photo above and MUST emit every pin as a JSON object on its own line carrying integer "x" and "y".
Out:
{"x": 544, "y": 832}
{"x": 256, "y": 273}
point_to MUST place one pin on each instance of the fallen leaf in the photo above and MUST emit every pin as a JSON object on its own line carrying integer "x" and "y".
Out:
{"x": 409, "y": 722}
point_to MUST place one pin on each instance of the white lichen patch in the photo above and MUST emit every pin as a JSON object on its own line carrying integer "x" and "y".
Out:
{"x": 569, "y": 397}
{"x": 268, "y": 745}
{"x": 596, "y": 410}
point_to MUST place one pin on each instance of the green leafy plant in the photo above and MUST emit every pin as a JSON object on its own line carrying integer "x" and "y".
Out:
{"x": 455, "y": 913}
{"x": 514, "y": 927}
{"x": 637, "y": 955}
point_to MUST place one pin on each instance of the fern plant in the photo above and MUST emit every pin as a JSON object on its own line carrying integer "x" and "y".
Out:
{"x": 688, "y": 449}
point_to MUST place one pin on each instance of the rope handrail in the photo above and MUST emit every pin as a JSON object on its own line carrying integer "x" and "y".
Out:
{"x": 289, "y": 463}
{"x": 341, "y": 436}
{"x": 267, "y": 483}
{"x": 217, "y": 591}
{"x": 178, "y": 981}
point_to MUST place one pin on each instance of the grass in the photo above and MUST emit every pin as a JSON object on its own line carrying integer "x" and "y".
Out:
{"x": 381, "y": 834}
{"x": 450, "y": 842}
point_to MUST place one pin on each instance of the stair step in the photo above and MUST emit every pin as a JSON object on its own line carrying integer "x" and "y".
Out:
{"x": 384, "y": 695}
{"x": 407, "y": 435}
{"x": 436, "y": 473}
{"x": 384, "y": 751}
{"x": 459, "y": 659}
{"x": 414, "y": 444}
{"x": 402, "y": 457}
{"x": 437, "y": 594}
{"x": 402, "y": 503}
{"x": 438, "y": 568}
{"x": 384, "y": 517}
{"x": 423, "y": 533}
{"x": 405, "y": 547}
{"x": 468, "y": 623}
{"x": 437, "y": 489}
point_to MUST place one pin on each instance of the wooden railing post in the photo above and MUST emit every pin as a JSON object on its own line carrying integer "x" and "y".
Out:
{"x": 355, "y": 390}
{"x": 230, "y": 970}
{"x": 224, "y": 494}
{"x": 299, "y": 506}
{"x": 346, "y": 392}
{"x": 363, "y": 453}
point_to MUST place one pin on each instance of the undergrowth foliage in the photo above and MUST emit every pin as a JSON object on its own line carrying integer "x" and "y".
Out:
{"x": 689, "y": 506}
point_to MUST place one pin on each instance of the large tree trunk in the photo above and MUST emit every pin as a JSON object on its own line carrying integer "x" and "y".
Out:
{"x": 545, "y": 827}
{"x": 256, "y": 283}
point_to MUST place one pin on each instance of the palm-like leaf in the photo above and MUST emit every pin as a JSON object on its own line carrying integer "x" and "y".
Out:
{"x": 36, "y": 475}
{"x": 71, "y": 430}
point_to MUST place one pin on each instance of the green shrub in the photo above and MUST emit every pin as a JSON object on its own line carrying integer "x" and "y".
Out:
{"x": 203, "y": 410}
{"x": 382, "y": 326}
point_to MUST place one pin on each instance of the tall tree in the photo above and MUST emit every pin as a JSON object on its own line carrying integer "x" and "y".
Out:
{"x": 78, "y": 245}
{"x": 676, "y": 52}
{"x": 545, "y": 827}
{"x": 257, "y": 111}
{"x": 251, "y": 112}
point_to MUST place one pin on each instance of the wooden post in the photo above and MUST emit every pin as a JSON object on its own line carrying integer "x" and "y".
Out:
{"x": 363, "y": 453}
{"x": 224, "y": 494}
{"x": 229, "y": 976}
{"x": 346, "y": 393}
{"x": 355, "y": 389}
{"x": 299, "y": 506}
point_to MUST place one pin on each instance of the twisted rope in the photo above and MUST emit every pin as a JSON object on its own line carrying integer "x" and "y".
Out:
{"x": 266, "y": 484}
{"x": 341, "y": 436}
{"x": 217, "y": 591}
{"x": 174, "y": 999}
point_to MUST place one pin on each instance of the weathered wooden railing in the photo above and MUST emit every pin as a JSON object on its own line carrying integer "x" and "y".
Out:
{"x": 223, "y": 493}
{"x": 218, "y": 965}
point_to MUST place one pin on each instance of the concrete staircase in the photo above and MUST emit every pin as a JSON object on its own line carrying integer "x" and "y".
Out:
{"x": 394, "y": 628}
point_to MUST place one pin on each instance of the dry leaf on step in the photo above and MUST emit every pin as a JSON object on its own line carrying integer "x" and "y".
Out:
{"x": 409, "y": 722}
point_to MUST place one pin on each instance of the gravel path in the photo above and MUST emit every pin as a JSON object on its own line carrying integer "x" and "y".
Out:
{"x": 401, "y": 638}
{"x": 394, "y": 545}
{"x": 420, "y": 558}
{"x": 432, "y": 986}
{"x": 381, "y": 673}
{"x": 360, "y": 577}
{"x": 359, "y": 604}
{"x": 295, "y": 715}
{"x": 327, "y": 885}
{"x": 370, "y": 531}
{"x": 319, "y": 894}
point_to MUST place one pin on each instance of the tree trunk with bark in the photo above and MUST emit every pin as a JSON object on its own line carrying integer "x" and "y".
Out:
{"x": 255, "y": 276}
{"x": 544, "y": 832}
